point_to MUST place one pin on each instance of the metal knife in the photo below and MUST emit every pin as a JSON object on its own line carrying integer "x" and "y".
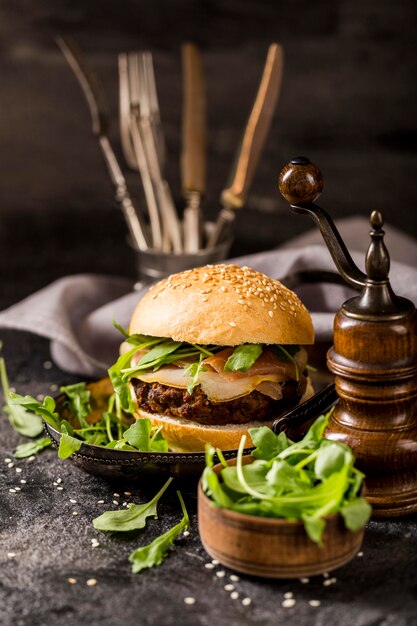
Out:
{"x": 234, "y": 195}
{"x": 97, "y": 104}
{"x": 194, "y": 141}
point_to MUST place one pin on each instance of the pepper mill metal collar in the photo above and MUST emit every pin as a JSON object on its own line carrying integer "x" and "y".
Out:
{"x": 301, "y": 183}
{"x": 374, "y": 357}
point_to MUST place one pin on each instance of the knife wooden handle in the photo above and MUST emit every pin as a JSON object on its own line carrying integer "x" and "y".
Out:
{"x": 194, "y": 131}
{"x": 256, "y": 130}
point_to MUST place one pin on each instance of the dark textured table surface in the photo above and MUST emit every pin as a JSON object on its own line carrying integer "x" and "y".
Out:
{"x": 348, "y": 102}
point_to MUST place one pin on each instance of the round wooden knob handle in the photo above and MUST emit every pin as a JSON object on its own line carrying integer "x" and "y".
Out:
{"x": 301, "y": 182}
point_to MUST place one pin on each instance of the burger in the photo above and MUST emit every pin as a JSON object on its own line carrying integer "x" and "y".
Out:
{"x": 212, "y": 352}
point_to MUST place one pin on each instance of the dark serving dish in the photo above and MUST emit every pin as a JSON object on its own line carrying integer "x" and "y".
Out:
{"x": 132, "y": 465}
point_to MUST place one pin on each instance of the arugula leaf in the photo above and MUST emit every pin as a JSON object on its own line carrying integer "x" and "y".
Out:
{"x": 267, "y": 443}
{"x": 45, "y": 409}
{"x": 155, "y": 552}
{"x": 78, "y": 401}
{"x": 68, "y": 445}
{"x": 31, "y": 447}
{"x": 139, "y": 436}
{"x": 21, "y": 420}
{"x": 161, "y": 350}
{"x": 331, "y": 458}
{"x": 133, "y": 518}
{"x": 193, "y": 371}
{"x": 119, "y": 327}
{"x": 243, "y": 357}
{"x": 314, "y": 527}
{"x": 356, "y": 514}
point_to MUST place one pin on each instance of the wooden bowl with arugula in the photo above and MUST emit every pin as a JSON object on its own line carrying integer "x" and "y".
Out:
{"x": 290, "y": 510}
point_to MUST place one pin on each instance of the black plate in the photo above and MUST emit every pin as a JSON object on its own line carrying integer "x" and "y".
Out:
{"x": 133, "y": 465}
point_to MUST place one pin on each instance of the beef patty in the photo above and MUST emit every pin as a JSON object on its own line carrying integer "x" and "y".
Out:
{"x": 157, "y": 398}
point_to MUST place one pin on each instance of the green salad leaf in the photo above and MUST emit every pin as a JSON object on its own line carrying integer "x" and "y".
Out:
{"x": 306, "y": 480}
{"x": 243, "y": 357}
{"x": 31, "y": 448}
{"x": 78, "y": 401}
{"x": 68, "y": 445}
{"x": 23, "y": 421}
{"x": 155, "y": 552}
{"x": 132, "y": 518}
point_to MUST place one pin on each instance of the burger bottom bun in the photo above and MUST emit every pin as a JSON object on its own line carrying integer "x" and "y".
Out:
{"x": 187, "y": 436}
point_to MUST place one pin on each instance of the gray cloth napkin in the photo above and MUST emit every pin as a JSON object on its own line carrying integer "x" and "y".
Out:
{"x": 76, "y": 312}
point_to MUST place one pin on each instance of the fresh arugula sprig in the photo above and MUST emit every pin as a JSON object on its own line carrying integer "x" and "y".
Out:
{"x": 110, "y": 431}
{"x": 243, "y": 357}
{"x": 132, "y": 518}
{"x": 307, "y": 480}
{"x": 155, "y": 552}
{"x": 31, "y": 448}
{"x": 23, "y": 421}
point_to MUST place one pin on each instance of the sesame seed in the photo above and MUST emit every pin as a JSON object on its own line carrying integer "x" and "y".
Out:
{"x": 326, "y": 574}
{"x": 12, "y": 490}
{"x": 23, "y": 481}
{"x": 72, "y": 581}
{"x": 127, "y": 493}
{"x": 314, "y": 602}
{"x": 116, "y": 495}
{"x": 116, "y": 502}
{"x": 186, "y": 533}
{"x": 234, "y": 578}
{"x": 91, "y": 582}
{"x": 304, "y": 580}
{"x": 124, "y": 503}
{"x": 234, "y": 595}
{"x": 59, "y": 480}
{"x": 288, "y": 603}
{"x": 19, "y": 470}
{"x": 100, "y": 501}
{"x": 11, "y": 555}
{"x": 233, "y": 324}
{"x": 229, "y": 587}
{"x": 271, "y": 313}
{"x": 329, "y": 581}
{"x": 7, "y": 460}
{"x": 221, "y": 574}
{"x": 40, "y": 397}
{"x": 359, "y": 554}
{"x": 47, "y": 365}
{"x": 18, "y": 488}
{"x": 209, "y": 565}
{"x": 74, "y": 513}
{"x": 246, "y": 601}
{"x": 288, "y": 594}
{"x": 10, "y": 465}
{"x": 73, "y": 501}
{"x": 189, "y": 600}
{"x": 60, "y": 488}
{"x": 53, "y": 387}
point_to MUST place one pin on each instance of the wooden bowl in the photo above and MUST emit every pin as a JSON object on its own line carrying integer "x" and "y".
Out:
{"x": 270, "y": 547}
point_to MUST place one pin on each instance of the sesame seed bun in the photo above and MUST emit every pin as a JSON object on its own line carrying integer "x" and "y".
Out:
{"x": 225, "y": 305}
{"x": 186, "y": 436}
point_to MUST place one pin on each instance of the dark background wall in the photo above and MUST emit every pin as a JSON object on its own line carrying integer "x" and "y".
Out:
{"x": 348, "y": 102}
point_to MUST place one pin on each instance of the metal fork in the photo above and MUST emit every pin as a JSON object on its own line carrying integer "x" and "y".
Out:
{"x": 145, "y": 116}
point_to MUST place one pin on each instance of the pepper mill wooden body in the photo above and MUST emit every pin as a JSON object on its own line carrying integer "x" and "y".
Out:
{"x": 374, "y": 358}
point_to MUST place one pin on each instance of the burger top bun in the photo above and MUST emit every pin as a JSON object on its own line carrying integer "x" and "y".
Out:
{"x": 223, "y": 305}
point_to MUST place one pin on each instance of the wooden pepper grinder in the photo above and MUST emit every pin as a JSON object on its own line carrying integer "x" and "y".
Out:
{"x": 374, "y": 357}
